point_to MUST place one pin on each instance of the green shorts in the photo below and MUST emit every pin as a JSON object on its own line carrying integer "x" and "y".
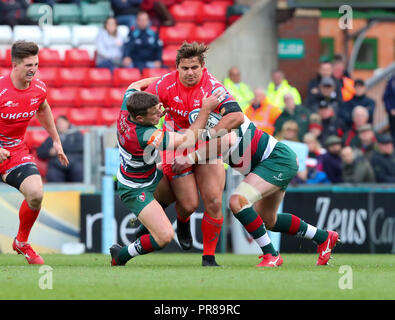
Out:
{"x": 136, "y": 199}
{"x": 279, "y": 168}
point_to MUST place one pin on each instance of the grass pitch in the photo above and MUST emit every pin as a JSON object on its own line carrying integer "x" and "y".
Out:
{"x": 180, "y": 276}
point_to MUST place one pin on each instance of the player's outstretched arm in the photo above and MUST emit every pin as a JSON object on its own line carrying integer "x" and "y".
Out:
{"x": 207, "y": 151}
{"x": 142, "y": 84}
{"x": 191, "y": 135}
{"x": 44, "y": 115}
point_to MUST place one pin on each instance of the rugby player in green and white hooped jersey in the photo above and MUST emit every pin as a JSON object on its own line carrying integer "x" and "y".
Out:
{"x": 141, "y": 185}
{"x": 269, "y": 166}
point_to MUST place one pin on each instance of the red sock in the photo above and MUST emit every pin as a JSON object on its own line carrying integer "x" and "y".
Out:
{"x": 27, "y": 217}
{"x": 211, "y": 228}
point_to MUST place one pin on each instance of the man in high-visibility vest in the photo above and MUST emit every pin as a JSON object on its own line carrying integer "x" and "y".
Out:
{"x": 278, "y": 87}
{"x": 262, "y": 113}
{"x": 238, "y": 89}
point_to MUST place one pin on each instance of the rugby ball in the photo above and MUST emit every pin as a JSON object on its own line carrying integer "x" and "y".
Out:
{"x": 212, "y": 121}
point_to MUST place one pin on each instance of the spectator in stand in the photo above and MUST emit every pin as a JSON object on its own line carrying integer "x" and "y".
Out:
{"x": 291, "y": 111}
{"x": 315, "y": 126}
{"x": 346, "y": 83}
{"x": 144, "y": 48}
{"x": 109, "y": 46}
{"x": 367, "y": 140}
{"x": 326, "y": 96}
{"x": 125, "y": 11}
{"x": 360, "y": 99}
{"x": 356, "y": 168}
{"x": 278, "y": 87}
{"x": 331, "y": 161}
{"x": 325, "y": 71}
{"x": 159, "y": 9}
{"x": 289, "y": 131}
{"x": 313, "y": 172}
{"x": 389, "y": 102}
{"x": 360, "y": 117}
{"x": 332, "y": 125}
{"x": 72, "y": 141}
{"x": 238, "y": 89}
{"x": 383, "y": 159}
{"x": 262, "y": 113}
{"x": 14, "y": 12}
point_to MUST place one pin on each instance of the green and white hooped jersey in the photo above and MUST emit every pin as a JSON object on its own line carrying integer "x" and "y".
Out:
{"x": 252, "y": 147}
{"x": 138, "y": 149}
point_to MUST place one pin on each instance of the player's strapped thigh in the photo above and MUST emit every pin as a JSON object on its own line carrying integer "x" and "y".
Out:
{"x": 248, "y": 193}
{"x": 17, "y": 175}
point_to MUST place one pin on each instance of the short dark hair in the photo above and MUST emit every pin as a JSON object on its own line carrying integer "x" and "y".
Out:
{"x": 191, "y": 50}
{"x": 359, "y": 82}
{"x": 139, "y": 102}
{"x": 23, "y": 49}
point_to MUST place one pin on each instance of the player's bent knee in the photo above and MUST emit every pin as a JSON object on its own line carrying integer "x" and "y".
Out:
{"x": 189, "y": 206}
{"x": 269, "y": 222}
{"x": 236, "y": 202}
{"x": 213, "y": 205}
{"x": 34, "y": 198}
{"x": 244, "y": 196}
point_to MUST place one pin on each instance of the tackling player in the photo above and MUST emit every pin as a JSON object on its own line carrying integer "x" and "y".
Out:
{"x": 182, "y": 91}
{"x": 141, "y": 186}
{"x": 21, "y": 98}
{"x": 269, "y": 166}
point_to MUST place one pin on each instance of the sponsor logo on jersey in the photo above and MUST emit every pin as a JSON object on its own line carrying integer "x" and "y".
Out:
{"x": 33, "y": 101}
{"x": 3, "y": 91}
{"x": 141, "y": 197}
{"x": 40, "y": 87}
{"x": 11, "y": 103}
{"x": 177, "y": 99}
{"x": 15, "y": 116}
{"x": 196, "y": 103}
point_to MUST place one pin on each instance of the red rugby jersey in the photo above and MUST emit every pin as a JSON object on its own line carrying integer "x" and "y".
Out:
{"x": 17, "y": 107}
{"x": 181, "y": 100}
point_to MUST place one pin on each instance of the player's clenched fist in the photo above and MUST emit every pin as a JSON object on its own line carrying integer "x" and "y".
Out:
{"x": 4, "y": 154}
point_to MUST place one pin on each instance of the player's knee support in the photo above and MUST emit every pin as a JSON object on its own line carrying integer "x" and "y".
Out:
{"x": 19, "y": 174}
{"x": 243, "y": 197}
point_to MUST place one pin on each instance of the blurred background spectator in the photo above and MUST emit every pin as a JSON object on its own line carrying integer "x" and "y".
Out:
{"x": 238, "y": 89}
{"x": 360, "y": 99}
{"x": 383, "y": 159}
{"x": 346, "y": 83}
{"x": 125, "y": 11}
{"x": 72, "y": 142}
{"x": 326, "y": 95}
{"x": 109, "y": 46}
{"x": 14, "y": 12}
{"x": 289, "y": 131}
{"x": 315, "y": 125}
{"x": 331, "y": 123}
{"x": 298, "y": 113}
{"x": 278, "y": 87}
{"x": 144, "y": 48}
{"x": 331, "y": 161}
{"x": 261, "y": 112}
{"x": 356, "y": 168}
{"x": 366, "y": 140}
{"x": 159, "y": 11}
{"x": 360, "y": 117}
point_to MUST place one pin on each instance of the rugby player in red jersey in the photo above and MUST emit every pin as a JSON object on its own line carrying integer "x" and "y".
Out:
{"x": 21, "y": 98}
{"x": 181, "y": 92}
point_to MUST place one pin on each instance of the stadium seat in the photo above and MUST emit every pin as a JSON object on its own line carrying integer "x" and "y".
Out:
{"x": 56, "y": 112}
{"x": 177, "y": 33}
{"x": 4, "y": 71}
{"x": 169, "y": 55}
{"x": 5, "y": 35}
{"x": 77, "y": 58}
{"x": 213, "y": 11}
{"x": 7, "y": 59}
{"x": 62, "y": 97}
{"x": 37, "y": 10}
{"x": 84, "y": 34}
{"x": 61, "y": 49}
{"x": 98, "y": 77}
{"x": 154, "y": 72}
{"x": 49, "y": 58}
{"x": 95, "y": 12}
{"x": 208, "y": 32}
{"x": 48, "y": 75}
{"x": 123, "y": 31}
{"x": 66, "y": 13}
{"x": 72, "y": 76}
{"x": 30, "y": 33}
{"x": 56, "y": 35}
{"x": 123, "y": 77}
{"x": 91, "y": 97}
{"x": 91, "y": 49}
{"x": 115, "y": 97}
{"x": 84, "y": 116}
{"x": 108, "y": 116}
{"x": 34, "y": 138}
{"x": 185, "y": 11}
